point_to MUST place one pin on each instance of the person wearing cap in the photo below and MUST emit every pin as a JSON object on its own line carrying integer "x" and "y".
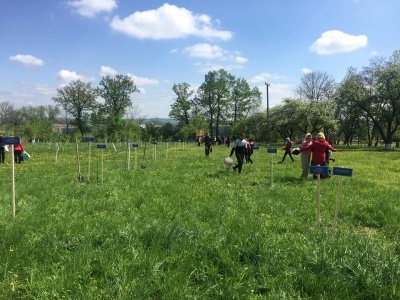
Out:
{"x": 305, "y": 156}
{"x": 288, "y": 150}
{"x": 318, "y": 148}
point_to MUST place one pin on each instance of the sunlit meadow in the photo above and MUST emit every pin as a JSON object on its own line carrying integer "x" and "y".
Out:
{"x": 184, "y": 227}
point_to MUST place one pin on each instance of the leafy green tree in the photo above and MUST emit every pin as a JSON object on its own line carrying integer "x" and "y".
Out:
{"x": 253, "y": 126}
{"x": 77, "y": 99}
{"x": 244, "y": 100}
{"x": 213, "y": 98}
{"x": 200, "y": 123}
{"x": 376, "y": 91}
{"x": 116, "y": 94}
{"x": 181, "y": 108}
{"x": 167, "y": 131}
{"x": 39, "y": 121}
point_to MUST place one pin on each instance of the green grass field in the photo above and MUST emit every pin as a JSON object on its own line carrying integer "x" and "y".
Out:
{"x": 186, "y": 228}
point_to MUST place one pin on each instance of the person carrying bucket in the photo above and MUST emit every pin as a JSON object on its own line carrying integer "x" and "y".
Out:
{"x": 239, "y": 148}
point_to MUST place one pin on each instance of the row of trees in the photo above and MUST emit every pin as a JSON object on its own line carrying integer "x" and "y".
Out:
{"x": 221, "y": 100}
{"x": 79, "y": 101}
{"x": 364, "y": 105}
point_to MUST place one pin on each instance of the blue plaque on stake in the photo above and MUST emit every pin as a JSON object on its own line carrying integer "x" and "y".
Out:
{"x": 89, "y": 139}
{"x": 101, "y": 146}
{"x": 135, "y": 145}
{"x": 154, "y": 142}
{"x": 10, "y": 140}
{"x": 319, "y": 170}
{"x": 272, "y": 150}
{"x": 255, "y": 147}
{"x": 342, "y": 171}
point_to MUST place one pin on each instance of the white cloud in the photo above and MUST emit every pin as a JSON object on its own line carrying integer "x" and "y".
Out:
{"x": 27, "y": 60}
{"x": 89, "y": 8}
{"x": 175, "y": 50}
{"x": 262, "y": 77}
{"x": 241, "y": 60}
{"x": 168, "y": 22}
{"x": 306, "y": 70}
{"x": 205, "y": 51}
{"x": 67, "y": 76}
{"x": 142, "y": 80}
{"x": 45, "y": 90}
{"x": 335, "y": 41}
{"x": 107, "y": 71}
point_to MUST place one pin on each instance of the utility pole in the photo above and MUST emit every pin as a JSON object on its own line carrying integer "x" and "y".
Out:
{"x": 268, "y": 139}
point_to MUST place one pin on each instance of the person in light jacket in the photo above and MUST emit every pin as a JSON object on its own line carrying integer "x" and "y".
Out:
{"x": 305, "y": 156}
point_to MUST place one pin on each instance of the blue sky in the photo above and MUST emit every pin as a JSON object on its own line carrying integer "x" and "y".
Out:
{"x": 45, "y": 44}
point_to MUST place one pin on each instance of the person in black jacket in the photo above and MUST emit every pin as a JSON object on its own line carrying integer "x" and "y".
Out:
{"x": 239, "y": 147}
{"x": 2, "y": 149}
{"x": 207, "y": 144}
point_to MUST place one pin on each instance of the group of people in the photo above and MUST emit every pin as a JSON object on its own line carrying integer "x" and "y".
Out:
{"x": 18, "y": 151}
{"x": 317, "y": 151}
{"x": 243, "y": 149}
{"x": 214, "y": 140}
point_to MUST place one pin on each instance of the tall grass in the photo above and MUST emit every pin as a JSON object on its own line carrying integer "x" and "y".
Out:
{"x": 186, "y": 228}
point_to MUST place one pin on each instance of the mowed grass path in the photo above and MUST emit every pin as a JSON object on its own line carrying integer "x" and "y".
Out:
{"x": 186, "y": 228}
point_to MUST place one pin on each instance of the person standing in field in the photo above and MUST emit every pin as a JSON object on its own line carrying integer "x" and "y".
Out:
{"x": 319, "y": 148}
{"x": 288, "y": 150}
{"x": 198, "y": 141}
{"x": 249, "y": 150}
{"x": 239, "y": 148}
{"x": 2, "y": 149}
{"x": 18, "y": 149}
{"x": 207, "y": 144}
{"x": 305, "y": 156}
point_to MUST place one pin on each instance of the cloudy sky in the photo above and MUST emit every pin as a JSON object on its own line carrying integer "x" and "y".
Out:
{"x": 45, "y": 44}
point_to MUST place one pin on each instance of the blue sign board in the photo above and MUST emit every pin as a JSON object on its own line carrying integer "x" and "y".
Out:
{"x": 154, "y": 142}
{"x": 319, "y": 170}
{"x": 342, "y": 171}
{"x": 10, "y": 140}
{"x": 255, "y": 147}
{"x": 101, "y": 146}
{"x": 272, "y": 150}
{"x": 89, "y": 139}
{"x": 133, "y": 145}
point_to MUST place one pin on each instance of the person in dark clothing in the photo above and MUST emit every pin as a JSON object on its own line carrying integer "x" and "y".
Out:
{"x": 228, "y": 141}
{"x": 207, "y": 144}
{"x": 2, "y": 149}
{"x": 239, "y": 148}
{"x": 18, "y": 150}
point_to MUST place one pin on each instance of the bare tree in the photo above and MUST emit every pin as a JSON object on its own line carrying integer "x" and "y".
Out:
{"x": 316, "y": 86}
